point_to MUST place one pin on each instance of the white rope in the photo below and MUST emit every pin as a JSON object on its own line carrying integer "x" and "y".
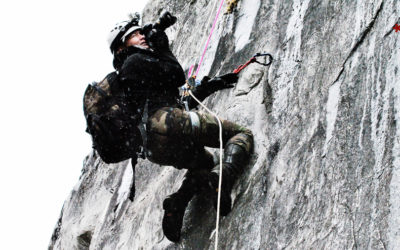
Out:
{"x": 219, "y": 122}
{"x": 221, "y": 153}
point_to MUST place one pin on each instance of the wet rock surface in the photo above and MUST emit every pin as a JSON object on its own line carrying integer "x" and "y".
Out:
{"x": 325, "y": 173}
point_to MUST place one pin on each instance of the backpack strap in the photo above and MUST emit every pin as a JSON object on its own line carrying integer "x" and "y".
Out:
{"x": 100, "y": 90}
{"x": 132, "y": 187}
{"x": 142, "y": 128}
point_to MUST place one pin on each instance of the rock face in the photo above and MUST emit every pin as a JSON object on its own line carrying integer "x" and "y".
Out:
{"x": 325, "y": 173}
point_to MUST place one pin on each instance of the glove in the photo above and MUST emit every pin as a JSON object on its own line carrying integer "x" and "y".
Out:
{"x": 220, "y": 82}
{"x": 154, "y": 33}
{"x": 165, "y": 20}
{"x": 147, "y": 28}
{"x": 209, "y": 86}
{"x": 155, "y": 38}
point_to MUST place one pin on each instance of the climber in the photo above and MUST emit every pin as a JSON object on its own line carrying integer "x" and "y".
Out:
{"x": 149, "y": 76}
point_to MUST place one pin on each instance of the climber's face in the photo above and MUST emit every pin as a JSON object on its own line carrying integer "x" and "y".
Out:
{"x": 136, "y": 38}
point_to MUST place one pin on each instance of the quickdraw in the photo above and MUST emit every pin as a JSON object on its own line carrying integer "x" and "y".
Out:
{"x": 191, "y": 82}
{"x": 189, "y": 85}
{"x": 254, "y": 60}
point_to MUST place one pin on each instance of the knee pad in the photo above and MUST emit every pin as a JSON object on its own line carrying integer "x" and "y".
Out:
{"x": 195, "y": 121}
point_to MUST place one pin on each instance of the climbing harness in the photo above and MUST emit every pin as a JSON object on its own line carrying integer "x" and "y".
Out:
{"x": 189, "y": 85}
{"x": 254, "y": 60}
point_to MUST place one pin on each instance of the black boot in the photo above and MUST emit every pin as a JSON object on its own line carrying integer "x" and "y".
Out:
{"x": 174, "y": 210}
{"x": 175, "y": 205}
{"x": 236, "y": 156}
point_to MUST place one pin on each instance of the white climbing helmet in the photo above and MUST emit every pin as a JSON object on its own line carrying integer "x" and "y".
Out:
{"x": 130, "y": 31}
{"x": 112, "y": 35}
{"x": 121, "y": 30}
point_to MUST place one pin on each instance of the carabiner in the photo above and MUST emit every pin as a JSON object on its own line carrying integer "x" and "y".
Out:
{"x": 269, "y": 60}
{"x": 253, "y": 59}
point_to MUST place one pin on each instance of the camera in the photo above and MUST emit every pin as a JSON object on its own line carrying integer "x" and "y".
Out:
{"x": 165, "y": 20}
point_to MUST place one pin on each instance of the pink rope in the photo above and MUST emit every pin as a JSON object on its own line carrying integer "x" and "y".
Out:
{"x": 190, "y": 71}
{"x": 209, "y": 37}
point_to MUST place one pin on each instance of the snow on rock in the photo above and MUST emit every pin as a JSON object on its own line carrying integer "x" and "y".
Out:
{"x": 247, "y": 15}
{"x": 331, "y": 111}
{"x": 125, "y": 187}
{"x": 325, "y": 172}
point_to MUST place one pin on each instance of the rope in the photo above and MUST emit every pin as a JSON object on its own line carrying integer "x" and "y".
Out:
{"x": 204, "y": 36}
{"x": 219, "y": 123}
{"x": 240, "y": 68}
{"x": 190, "y": 71}
{"x": 220, "y": 167}
{"x": 209, "y": 37}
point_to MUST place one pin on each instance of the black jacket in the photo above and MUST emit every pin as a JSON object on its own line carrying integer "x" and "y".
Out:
{"x": 147, "y": 74}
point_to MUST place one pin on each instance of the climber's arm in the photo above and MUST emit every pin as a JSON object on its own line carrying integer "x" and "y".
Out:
{"x": 209, "y": 86}
{"x": 170, "y": 70}
{"x": 155, "y": 35}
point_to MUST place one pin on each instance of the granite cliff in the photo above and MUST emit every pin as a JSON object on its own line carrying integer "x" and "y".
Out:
{"x": 325, "y": 173}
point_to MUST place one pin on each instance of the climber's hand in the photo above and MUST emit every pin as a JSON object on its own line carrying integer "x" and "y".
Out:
{"x": 220, "y": 82}
{"x": 147, "y": 28}
{"x": 165, "y": 20}
{"x": 230, "y": 78}
{"x": 155, "y": 38}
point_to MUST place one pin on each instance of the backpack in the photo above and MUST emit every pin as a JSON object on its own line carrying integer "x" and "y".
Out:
{"x": 113, "y": 127}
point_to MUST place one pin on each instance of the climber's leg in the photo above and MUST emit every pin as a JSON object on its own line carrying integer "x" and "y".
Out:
{"x": 202, "y": 129}
{"x": 175, "y": 204}
{"x": 236, "y": 155}
{"x": 238, "y": 143}
{"x": 177, "y": 138}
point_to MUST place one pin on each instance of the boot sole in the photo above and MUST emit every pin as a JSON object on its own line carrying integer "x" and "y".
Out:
{"x": 226, "y": 201}
{"x": 172, "y": 220}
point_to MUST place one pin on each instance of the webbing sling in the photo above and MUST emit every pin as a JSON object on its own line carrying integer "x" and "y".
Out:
{"x": 142, "y": 128}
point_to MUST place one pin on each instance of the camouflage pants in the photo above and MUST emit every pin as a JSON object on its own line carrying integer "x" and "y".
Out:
{"x": 178, "y": 138}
